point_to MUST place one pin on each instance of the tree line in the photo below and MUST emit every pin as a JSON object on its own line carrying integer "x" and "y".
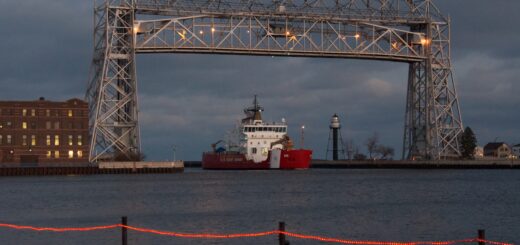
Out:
{"x": 378, "y": 151}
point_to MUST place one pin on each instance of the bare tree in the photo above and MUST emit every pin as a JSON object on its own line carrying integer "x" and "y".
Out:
{"x": 351, "y": 149}
{"x": 372, "y": 144}
{"x": 384, "y": 152}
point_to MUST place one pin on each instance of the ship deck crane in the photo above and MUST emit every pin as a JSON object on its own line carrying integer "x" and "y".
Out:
{"x": 214, "y": 145}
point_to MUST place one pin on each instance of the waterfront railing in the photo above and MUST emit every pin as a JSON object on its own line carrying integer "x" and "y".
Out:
{"x": 281, "y": 232}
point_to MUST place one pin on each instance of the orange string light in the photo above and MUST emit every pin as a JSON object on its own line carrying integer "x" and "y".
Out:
{"x": 193, "y": 235}
{"x": 92, "y": 228}
{"x": 244, "y": 235}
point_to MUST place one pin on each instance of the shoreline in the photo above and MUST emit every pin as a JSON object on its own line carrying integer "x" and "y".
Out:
{"x": 408, "y": 164}
{"x": 401, "y": 164}
{"x": 87, "y": 169}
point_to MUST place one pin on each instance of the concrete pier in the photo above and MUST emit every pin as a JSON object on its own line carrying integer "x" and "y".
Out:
{"x": 88, "y": 169}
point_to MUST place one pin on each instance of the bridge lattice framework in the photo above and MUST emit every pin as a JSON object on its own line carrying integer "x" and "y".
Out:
{"x": 410, "y": 31}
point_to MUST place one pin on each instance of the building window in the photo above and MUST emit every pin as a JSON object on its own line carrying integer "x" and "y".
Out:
{"x": 71, "y": 154}
{"x": 70, "y": 140}
{"x": 8, "y": 124}
{"x": 265, "y": 151}
{"x": 253, "y": 150}
{"x": 33, "y": 112}
{"x": 9, "y": 139}
{"x": 56, "y": 125}
{"x": 56, "y": 154}
{"x": 80, "y": 140}
{"x": 48, "y": 141}
{"x": 48, "y": 125}
{"x": 49, "y": 154}
{"x": 1, "y": 125}
{"x": 33, "y": 140}
{"x": 47, "y": 113}
{"x": 33, "y": 125}
{"x": 1, "y": 139}
{"x": 24, "y": 140}
{"x": 80, "y": 154}
{"x": 56, "y": 140}
{"x": 24, "y": 112}
{"x": 69, "y": 113}
{"x": 24, "y": 125}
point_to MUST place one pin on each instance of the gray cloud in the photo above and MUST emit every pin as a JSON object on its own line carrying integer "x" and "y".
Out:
{"x": 191, "y": 100}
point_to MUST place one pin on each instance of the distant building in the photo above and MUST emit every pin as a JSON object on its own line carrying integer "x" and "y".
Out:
{"x": 44, "y": 131}
{"x": 497, "y": 150}
{"x": 516, "y": 150}
{"x": 478, "y": 153}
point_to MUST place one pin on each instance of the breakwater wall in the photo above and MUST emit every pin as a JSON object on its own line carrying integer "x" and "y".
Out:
{"x": 90, "y": 169}
{"x": 404, "y": 164}
{"x": 407, "y": 164}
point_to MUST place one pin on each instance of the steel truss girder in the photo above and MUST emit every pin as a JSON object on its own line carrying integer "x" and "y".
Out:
{"x": 284, "y": 36}
{"x": 409, "y": 10}
{"x": 412, "y": 31}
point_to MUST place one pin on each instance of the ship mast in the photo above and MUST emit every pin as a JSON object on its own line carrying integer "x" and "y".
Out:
{"x": 253, "y": 113}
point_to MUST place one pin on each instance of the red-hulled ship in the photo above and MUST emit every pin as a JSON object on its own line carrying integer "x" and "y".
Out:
{"x": 260, "y": 146}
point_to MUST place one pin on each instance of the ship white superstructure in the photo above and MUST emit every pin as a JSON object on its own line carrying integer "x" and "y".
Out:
{"x": 260, "y": 137}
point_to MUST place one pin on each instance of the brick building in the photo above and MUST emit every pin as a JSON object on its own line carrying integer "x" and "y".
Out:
{"x": 44, "y": 131}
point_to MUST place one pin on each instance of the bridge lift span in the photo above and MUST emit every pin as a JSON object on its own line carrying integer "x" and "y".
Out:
{"x": 411, "y": 31}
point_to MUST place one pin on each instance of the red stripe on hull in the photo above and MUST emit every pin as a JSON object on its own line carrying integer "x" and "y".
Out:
{"x": 230, "y": 161}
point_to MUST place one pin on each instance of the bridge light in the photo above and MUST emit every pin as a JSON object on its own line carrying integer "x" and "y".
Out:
{"x": 394, "y": 45}
{"x": 425, "y": 41}
{"x": 136, "y": 29}
{"x": 201, "y": 32}
{"x": 356, "y": 36}
{"x": 288, "y": 33}
{"x": 212, "y": 29}
{"x": 182, "y": 34}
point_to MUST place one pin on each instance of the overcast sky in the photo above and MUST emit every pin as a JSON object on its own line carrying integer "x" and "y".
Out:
{"x": 192, "y": 100}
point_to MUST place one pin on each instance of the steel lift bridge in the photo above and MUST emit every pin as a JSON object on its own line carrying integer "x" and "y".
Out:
{"x": 411, "y": 31}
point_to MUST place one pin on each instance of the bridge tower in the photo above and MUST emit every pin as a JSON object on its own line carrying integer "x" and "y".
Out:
{"x": 410, "y": 31}
{"x": 112, "y": 89}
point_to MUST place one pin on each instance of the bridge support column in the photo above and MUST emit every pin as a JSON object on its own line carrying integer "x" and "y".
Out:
{"x": 112, "y": 92}
{"x": 433, "y": 123}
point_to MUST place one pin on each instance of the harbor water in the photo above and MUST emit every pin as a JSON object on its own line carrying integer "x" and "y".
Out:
{"x": 361, "y": 204}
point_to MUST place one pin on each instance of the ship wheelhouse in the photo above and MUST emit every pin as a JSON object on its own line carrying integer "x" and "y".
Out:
{"x": 259, "y": 137}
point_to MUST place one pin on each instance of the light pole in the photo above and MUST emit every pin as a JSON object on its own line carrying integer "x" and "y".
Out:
{"x": 174, "y": 151}
{"x": 302, "y": 136}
